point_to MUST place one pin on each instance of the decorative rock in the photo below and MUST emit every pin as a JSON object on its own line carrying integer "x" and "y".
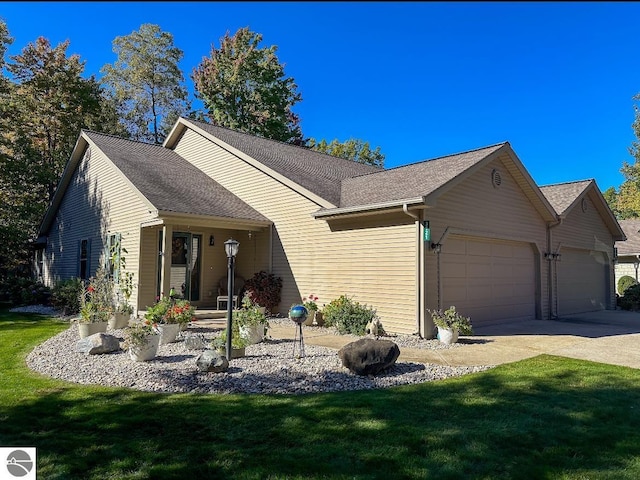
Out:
{"x": 368, "y": 356}
{"x": 98, "y": 343}
{"x": 374, "y": 327}
{"x": 193, "y": 341}
{"x": 212, "y": 361}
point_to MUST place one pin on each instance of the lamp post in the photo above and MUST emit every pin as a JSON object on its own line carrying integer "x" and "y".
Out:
{"x": 231, "y": 248}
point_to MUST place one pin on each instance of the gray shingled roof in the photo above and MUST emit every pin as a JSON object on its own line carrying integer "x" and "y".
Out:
{"x": 319, "y": 173}
{"x": 170, "y": 182}
{"x": 562, "y": 195}
{"x": 410, "y": 181}
{"x": 632, "y": 245}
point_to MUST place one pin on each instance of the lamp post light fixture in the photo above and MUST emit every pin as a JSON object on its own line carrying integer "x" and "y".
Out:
{"x": 231, "y": 248}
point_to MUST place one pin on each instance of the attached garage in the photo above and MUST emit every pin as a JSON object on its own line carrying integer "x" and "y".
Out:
{"x": 583, "y": 276}
{"x": 489, "y": 280}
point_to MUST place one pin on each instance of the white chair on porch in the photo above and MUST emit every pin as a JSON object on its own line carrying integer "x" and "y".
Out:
{"x": 223, "y": 297}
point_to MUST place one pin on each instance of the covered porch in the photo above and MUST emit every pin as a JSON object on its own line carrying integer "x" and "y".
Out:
{"x": 185, "y": 255}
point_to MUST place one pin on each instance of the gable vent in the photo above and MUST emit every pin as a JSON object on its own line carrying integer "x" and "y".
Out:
{"x": 496, "y": 179}
{"x": 584, "y": 205}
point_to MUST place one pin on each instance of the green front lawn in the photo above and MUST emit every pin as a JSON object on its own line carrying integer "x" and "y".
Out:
{"x": 546, "y": 417}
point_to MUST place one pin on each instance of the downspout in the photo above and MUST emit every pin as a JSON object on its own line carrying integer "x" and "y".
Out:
{"x": 549, "y": 258}
{"x": 419, "y": 266}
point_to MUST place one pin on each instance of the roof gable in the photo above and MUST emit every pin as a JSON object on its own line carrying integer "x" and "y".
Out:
{"x": 169, "y": 182}
{"x": 424, "y": 182}
{"x": 316, "y": 172}
{"x": 565, "y": 196}
{"x": 164, "y": 180}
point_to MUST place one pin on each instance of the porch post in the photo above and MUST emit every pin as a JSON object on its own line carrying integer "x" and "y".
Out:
{"x": 165, "y": 275}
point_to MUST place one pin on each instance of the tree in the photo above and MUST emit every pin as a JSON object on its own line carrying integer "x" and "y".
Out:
{"x": 147, "y": 83}
{"x": 352, "y": 149}
{"x": 44, "y": 106}
{"x": 611, "y": 197}
{"x": 628, "y": 197}
{"x": 244, "y": 87}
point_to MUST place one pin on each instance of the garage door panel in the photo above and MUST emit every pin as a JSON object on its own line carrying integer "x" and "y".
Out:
{"x": 491, "y": 281}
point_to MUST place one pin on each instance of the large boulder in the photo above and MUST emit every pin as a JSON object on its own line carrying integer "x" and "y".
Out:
{"x": 212, "y": 361}
{"x": 368, "y": 356}
{"x": 98, "y": 343}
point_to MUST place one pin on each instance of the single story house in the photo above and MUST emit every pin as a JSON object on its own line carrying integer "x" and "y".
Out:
{"x": 628, "y": 258}
{"x": 470, "y": 229}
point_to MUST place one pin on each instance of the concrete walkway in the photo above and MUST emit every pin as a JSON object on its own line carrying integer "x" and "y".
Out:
{"x": 611, "y": 336}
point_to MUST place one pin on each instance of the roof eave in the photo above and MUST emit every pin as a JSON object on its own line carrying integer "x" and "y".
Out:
{"x": 363, "y": 210}
{"x": 206, "y": 220}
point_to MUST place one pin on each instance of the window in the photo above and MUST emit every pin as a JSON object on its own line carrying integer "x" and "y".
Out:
{"x": 39, "y": 264}
{"x": 112, "y": 256}
{"x": 84, "y": 256}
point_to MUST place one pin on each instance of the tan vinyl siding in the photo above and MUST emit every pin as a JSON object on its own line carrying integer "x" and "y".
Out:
{"x": 585, "y": 230}
{"x": 375, "y": 266}
{"x": 96, "y": 203}
{"x": 477, "y": 209}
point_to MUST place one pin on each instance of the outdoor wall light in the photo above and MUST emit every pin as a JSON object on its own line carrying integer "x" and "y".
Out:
{"x": 436, "y": 247}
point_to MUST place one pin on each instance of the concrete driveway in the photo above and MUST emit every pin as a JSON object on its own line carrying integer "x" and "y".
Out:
{"x": 611, "y": 336}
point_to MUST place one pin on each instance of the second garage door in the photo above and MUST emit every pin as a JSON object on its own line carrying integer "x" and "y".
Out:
{"x": 489, "y": 280}
{"x": 582, "y": 281}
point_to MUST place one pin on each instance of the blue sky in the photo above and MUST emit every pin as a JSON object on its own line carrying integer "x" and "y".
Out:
{"x": 420, "y": 80}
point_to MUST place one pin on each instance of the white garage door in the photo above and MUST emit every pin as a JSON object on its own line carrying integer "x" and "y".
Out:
{"x": 488, "y": 280}
{"x": 582, "y": 281}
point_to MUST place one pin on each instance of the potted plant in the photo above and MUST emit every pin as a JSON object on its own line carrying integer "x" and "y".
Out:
{"x": 238, "y": 342}
{"x": 142, "y": 339}
{"x": 264, "y": 289}
{"x": 170, "y": 315}
{"x": 312, "y": 307}
{"x": 251, "y": 320}
{"x": 450, "y": 324}
{"x": 95, "y": 305}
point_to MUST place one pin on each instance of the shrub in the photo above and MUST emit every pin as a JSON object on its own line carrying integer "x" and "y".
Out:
{"x": 24, "y": 291}
{"x": 624, "y": 283}
{"x": 66, "y": 295}
{"x": 264, "y": 289}
{"x": 348, "y": 316}
{"x": 631, "y": 298}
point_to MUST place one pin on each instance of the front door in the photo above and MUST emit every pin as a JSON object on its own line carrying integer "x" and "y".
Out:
{"x": 185, "y": 265}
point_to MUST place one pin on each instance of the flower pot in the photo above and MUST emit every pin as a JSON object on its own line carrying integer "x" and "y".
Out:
{"x": 319, "y": 319}
{"x": 253, "y": 333}
{"x": 168, "y": 332}
{"x": 144, "y": 353}
{"x": 235, "y": 352}
{"x": 118, "y": 321}
{"x": 447, "y": 335}
{"x": 87, "y": 329}
{"x": 310, "y": 318}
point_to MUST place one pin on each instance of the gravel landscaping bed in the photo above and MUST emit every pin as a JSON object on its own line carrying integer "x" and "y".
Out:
{"x": 268, "y": 368}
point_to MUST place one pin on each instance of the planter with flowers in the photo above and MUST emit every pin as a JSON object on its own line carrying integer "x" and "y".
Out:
{"x": 251, "y": 320}
{"x": 95, "y": 305}
{"x": 142, "y": 340}
{"x": 238, "y": 342}
{"x": 310, "y": 303}
{"x": 171, "y": 316}
{"x": 450, "y": 324}
{"x": 264, "y": 289}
